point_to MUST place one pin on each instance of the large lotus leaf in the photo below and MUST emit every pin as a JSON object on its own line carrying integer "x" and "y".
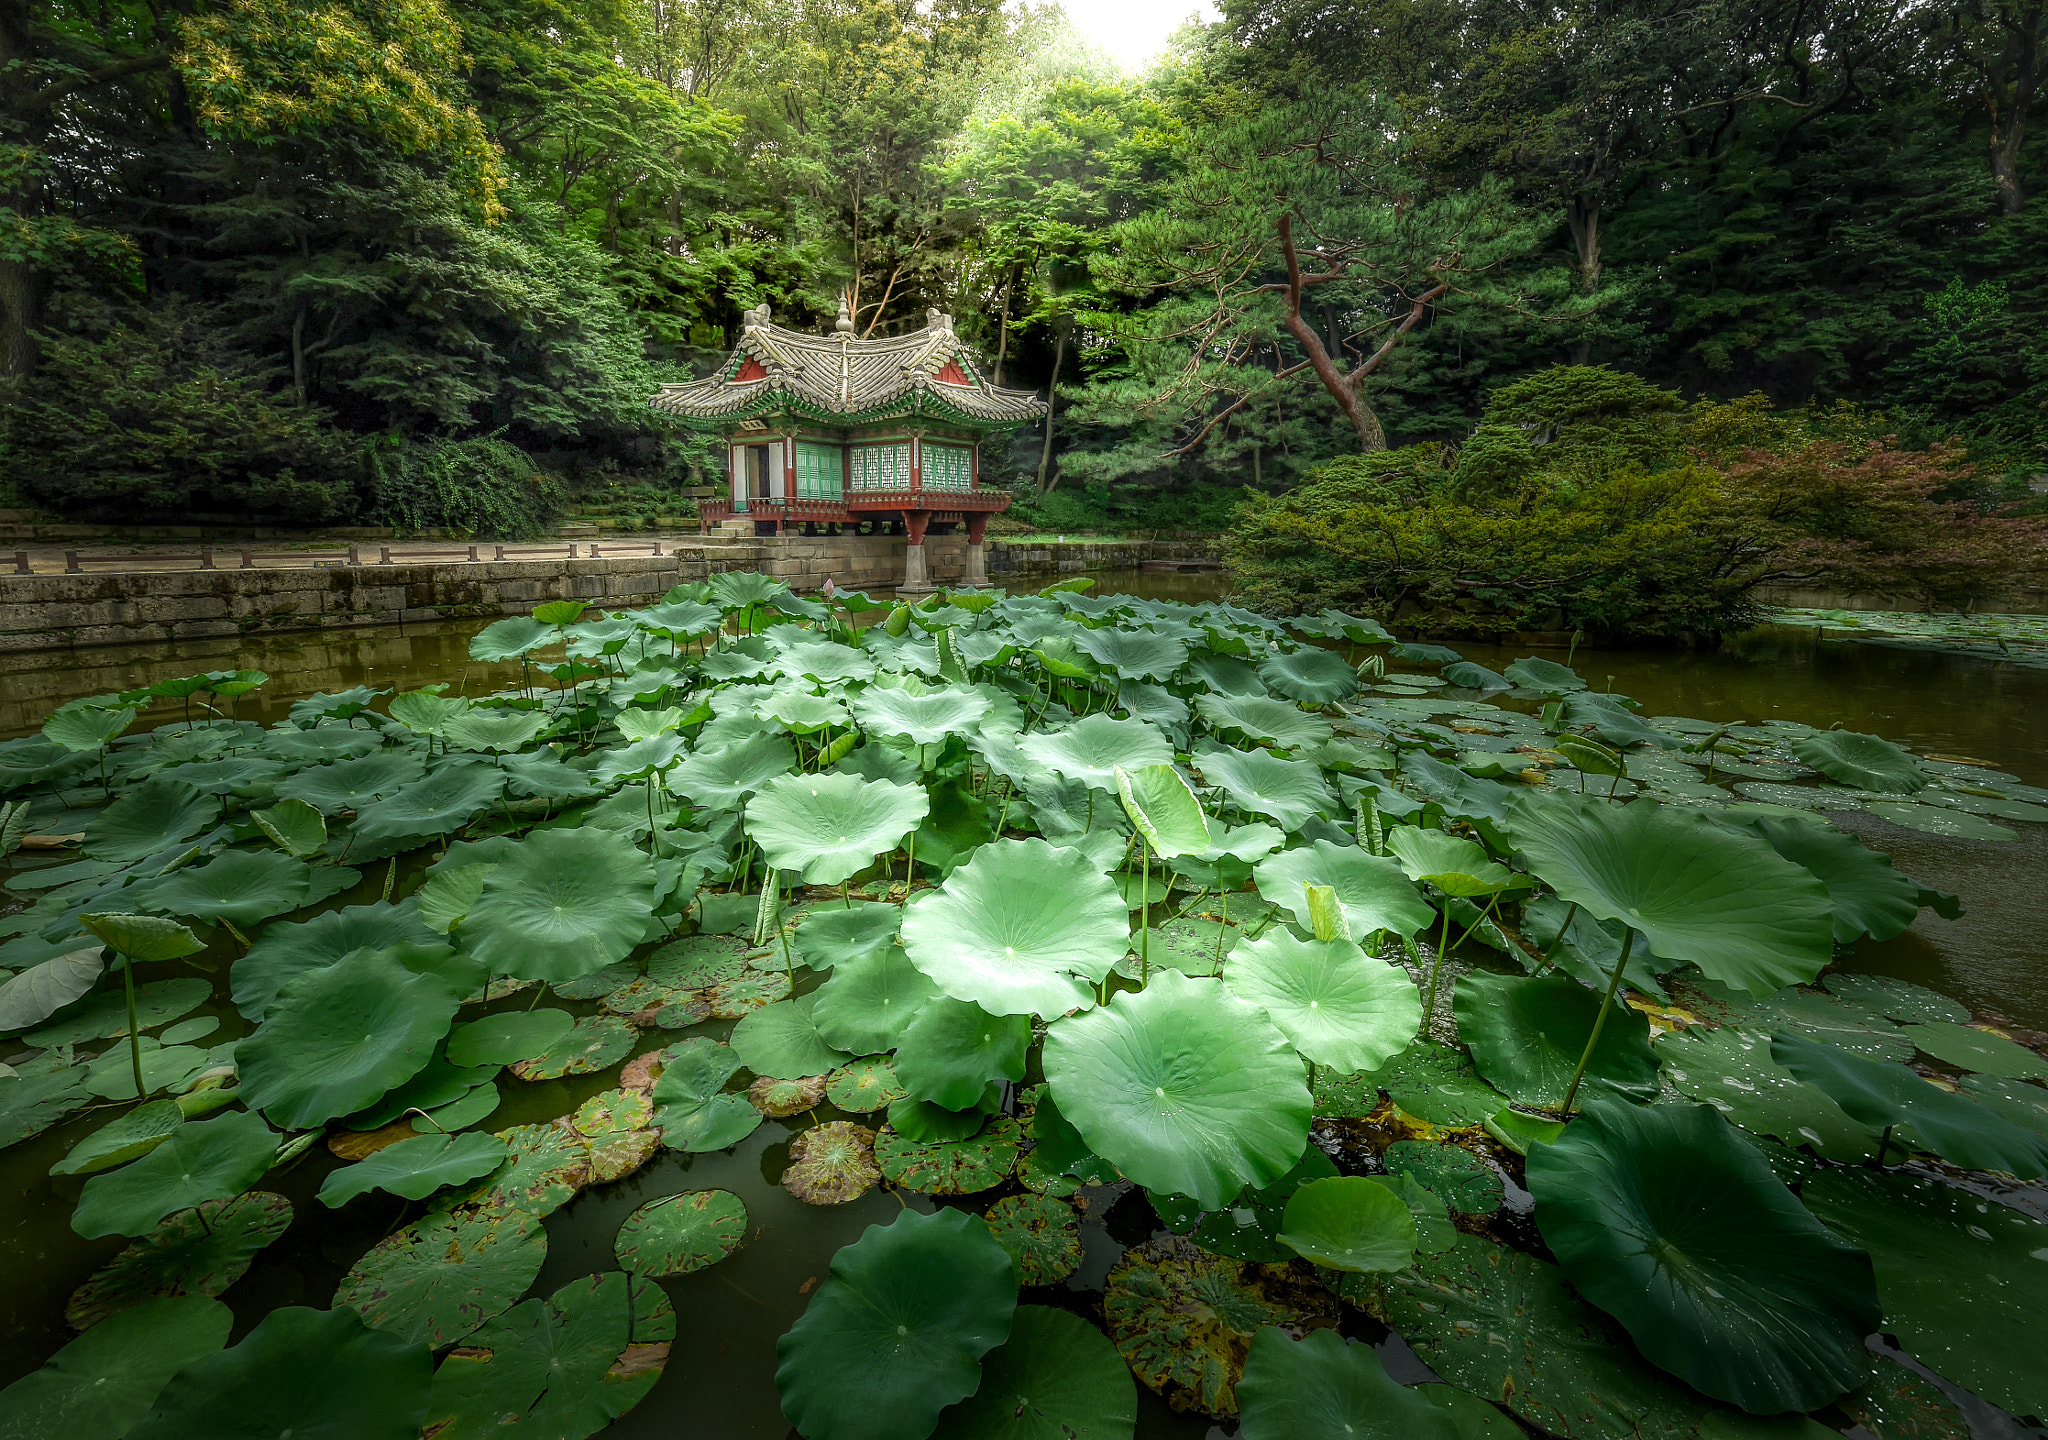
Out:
{"x": 442, "y": 1276}
{"x": 104, "y": 1016}
{"x": 1336, "y": 1004}
{"x": 1459, "y": 1177}
{"x": 1185, "y": 1088}
{"x": 678, "y": 1234}
{"x": 782, "y": 1041}
{"x": 1527, "y": 1032}
{"x": 127, "y": 1137}
{"x": 242, "y": 887}
{"x": 1042, "y": 1234}
{"x": 493, "y": 730}
{"x": 1324, "y": 1387}
{"x": 308, "y": 1374}
{"x": 1055, "y": 1378}
{"x": 953, "y": 1048}
{"x": 1697, "y": 891}
{"x": 1494, "y": 1321}
{"x": 1535, "y": 673}
{"x": 920, "y": 719}
{"x": 205, "y": 1160}
{"x": 1614, "y": 722}
{"x": 154, "y": 816}
{"x": 865, "y": 1006}
{"x": 1289, "y": 791}
{"x": 101, "y": 1384}
{"x": 509, "y": 1037}
{"x": 416, "y": 1168}
{"x": 1164, "y": 810}
{"x": 1263, "y": 720}
{"x": 353, "y": 784}
{"x": 829, "y": 826}
{"x": 1881, "y": 1094}
{"x": 1014, "y": 926}
{"x": 510, "y": 638}
{"x": 1453, "y": 864}
{"x": 1870, "y": 898}
{"x": 724, "y": 777}
{"x": 1961, "y": 1277}
{"x": 562, "y": 903}
{"x": 1350, "y": 1223}
{"x": 1311, "y": 676}
{"x": 200, "y": 1251}
{"x": 902, "y": 1322}
{"x": 1092, "y": 749}
{"x": 83, "y": 726}
{"x": 284, "y": 952}
{"x": 833, "y": 935}
{"x": 826, "y": 663}
{"x": 951, "y": 1164}
{"x": 1863, "y": 762}
{"x": 1968, "y": 1048}
{"x": 450, "y": 797}
{"x": 338, "y": 1038}
{"x": 1732, "y": 1070}
{"x": 1373, "y": 892}
{"x": 1132, "y": 654}
{"x": 43, "y": 989}
{"x": 1895, "y": 999}
{"x": 1674, "y": 1225}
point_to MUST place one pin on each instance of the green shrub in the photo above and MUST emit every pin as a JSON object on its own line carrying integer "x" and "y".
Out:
{"x": 482, "y": 487}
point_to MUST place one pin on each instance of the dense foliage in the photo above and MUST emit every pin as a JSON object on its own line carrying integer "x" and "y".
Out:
{"x": 1162, "y": 900}
{"x": 1310, "y": 231}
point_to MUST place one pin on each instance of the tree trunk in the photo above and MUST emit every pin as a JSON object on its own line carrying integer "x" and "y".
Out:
{"x": 2011, "y": 77}
{"x": 21, "y": 284}
{"x": 1003, "y": 343}
{"x": 1052, "y": 395}
{"x": 1582, "y": 218}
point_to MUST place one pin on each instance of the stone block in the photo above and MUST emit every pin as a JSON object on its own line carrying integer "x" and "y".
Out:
{"x": 204, "y": 629}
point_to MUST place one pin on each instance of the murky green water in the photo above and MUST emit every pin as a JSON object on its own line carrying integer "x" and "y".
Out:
{"x": 719, "y": 1383}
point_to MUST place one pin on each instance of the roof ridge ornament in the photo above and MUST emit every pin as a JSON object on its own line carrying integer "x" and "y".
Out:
{"x": 756, "y": 318}
{"x": 844, "y": 324}
{"x": 937, "y": 319}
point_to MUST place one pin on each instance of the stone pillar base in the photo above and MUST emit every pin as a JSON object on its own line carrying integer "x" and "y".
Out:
{"x": 916, "y": 578}
{"x": 977, "y": 566}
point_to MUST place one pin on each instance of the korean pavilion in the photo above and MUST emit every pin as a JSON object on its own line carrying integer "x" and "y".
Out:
{"x": 830, "y": 430}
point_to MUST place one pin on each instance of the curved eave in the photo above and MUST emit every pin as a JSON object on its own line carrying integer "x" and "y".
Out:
{"x": 720, "y": 409}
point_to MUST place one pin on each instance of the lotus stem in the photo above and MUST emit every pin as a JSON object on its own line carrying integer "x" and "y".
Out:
{"x": 1144, "y": 913}
{"x": 134, "y": 1027}
{"x": 1628, "y": 940}
{"x": 1226, "y": 914}
{"x": 1883, "y": 1143}
{"x": 391, "y": 876}
{"x": 909, "y": 867}
{"x": 1550, "y": 950}
{"x": 243, "y": 940}
{"x": 1484, "y": 916}
{"x": 1443, "y": 943}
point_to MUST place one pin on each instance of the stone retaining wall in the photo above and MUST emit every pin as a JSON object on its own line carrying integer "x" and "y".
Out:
{"x": 1012, "y": 558}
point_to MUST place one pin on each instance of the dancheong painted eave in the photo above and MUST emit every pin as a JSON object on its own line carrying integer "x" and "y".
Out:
{"x": 843, "y": 380}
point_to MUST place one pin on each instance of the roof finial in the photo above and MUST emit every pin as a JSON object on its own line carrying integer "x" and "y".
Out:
{"x": 844, "y": 324}
{"x": 937, "y": 319}
{"x": 757, "y": 316}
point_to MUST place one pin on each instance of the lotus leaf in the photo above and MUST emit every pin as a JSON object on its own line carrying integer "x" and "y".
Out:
{"x": 549, "y": 1164}
{"x": 208, "y": 1160}
{"x": 1333, "y": 1002}
{"x": 864, "y": 1086}
{"x": 1055, "y": 1378}
{"x": 129, "y": 1137}
{"x": 509, "y": 1037}
{"x": 1014, "y": 926}
{"x": 112, "y": 1076}
{"x": 1869, "y": 897}
{"x": 692, "y": 963}
{"x": 474, "y": 1106}
{"x": 1289, "y": 791}
{"x": 1374, "y": 893}
{"x": 1185, "y": 1088}
{"x": 681, "y": 1233}
{"x": 284, "y": 952}
{"x": 241, "y": 887}
{"x": 832, "y": 1164}
{"x": 1527, "y": 1033}
{"x": 158, "y": 813}
{"x": 1881, "y": 1095}
{"x": 782, "y": 1040}
{"x": 1164, "y": 810}
{"x": 865, "y": 1006}
{"x": 37, "y": 1095}
{"x": 1695, "y": 890}
{"x": 1184, "y": 1319}
{"x": 829, "y": 826}
{"x": 902, "y": 1321}
{"x": 1894, "y": 999}
{"x": 1042, "y": 1234}
{"x": 1900, "y": 1405}
{"x": 1263, "y": 720}
{"x": 426, "y": 712}
{"x": 1535, "y": 673}
{"x": 1862, "y": 761}
{"x": 353, "y": 784}
{"x": 963, "y": 1166}
{"x": 920, "y": 719}
{"x": 1092, "y": 749}
{"x": 1192, "y": 945}
{"x": 1968, "y": 1048}
{"x": 1961, "y": 1277}
{"x": 1349, "y": 1223}
{"x": 341, "y": 1037}
{"x": 416, "y": 1168}
{"x": 1667, "y": 1220}
{"x": 592, "y": 1043}
{"x": 779, "y": 1099}
{"x": 1132, "y": 654}
{"x": 2025, "y": 1105}
{"x": 1454, "y": 865}
{"x": 1461, "y": 1178}
{"x": 728, "y": 775}
{"x": 1932, "y": 820}
{"x": 1323, "y": 1387}
{"x": 1435, "y": 1083}
{"x": 1732, "y": 1070}
{"x": 511, "y": 638}
{"x": 101, "y": 1384}
{"x": 82, "y": 725}
{"x": 953, "y": 1048}
{"x": 562, "y": 903}
{"x": 833, "y": 936}
{"x": 1311, "y": 676}
{"x": 442, "y": 1276}
{"x": 310, "y": 1374}
{"x": 41, "y": 990}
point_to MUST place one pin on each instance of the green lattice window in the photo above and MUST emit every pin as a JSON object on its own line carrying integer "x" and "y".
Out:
{"x": 948, "y": 467}
{"x": 820, "y": 474}
{"x": 881, "y": 467}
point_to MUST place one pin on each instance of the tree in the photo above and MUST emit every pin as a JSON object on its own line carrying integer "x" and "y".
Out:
{"x": 2001, "y": 48}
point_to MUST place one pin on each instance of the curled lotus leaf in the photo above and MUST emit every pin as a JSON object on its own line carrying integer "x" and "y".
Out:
{"x": 1535, "y": 673}
{"x": 442, "y": 1276}
{"x": 200, "y": 1251}
{"x": 829, "y": 826}
{"x": 1055, "y": 1378}
{"x": 1042, "y": 1234}
{"x": 865, "y": 1086}
{"x": 1184, "y": 1319}
{"x": 293, "y": 1374}
{"x": 1335, "y": 1004}
{"x": 1864, "y": 762}
{"x": 678, "y": 1234}
{"x": 42, "y": 989}
{"x": 561, "y": 903}
{"x": 831, "y": 1164}
{"x": 204, "y": 1160}
{"x": 1454, "y": 865}
{"x": 779, "y": 1099}
{"x": 1309, "y": 675}
{"x": 1670, "y": 1222}
{"x": 1527, "y": 1032}
{"x": 1869, "y": 897}
{"x": 592, "y": 1043}
{"x": 1019, "y": 928}
{"x": 1164, "y": 810}
{"x": 1185, "y": 1088}
{"x": 128, "y": 1137}
{"x": 416, "y": 1168}
{"x": 1373, "y": 891}
{"x": 903, "y": 1321}
{"x": 951, "y": 1167}
{"x": 101, "y": 1384}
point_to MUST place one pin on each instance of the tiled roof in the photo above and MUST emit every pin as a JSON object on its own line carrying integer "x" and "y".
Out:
{"x": 838, "y": 377}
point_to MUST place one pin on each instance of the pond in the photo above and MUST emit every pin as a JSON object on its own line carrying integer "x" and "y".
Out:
{"x": 720, "y": 1377}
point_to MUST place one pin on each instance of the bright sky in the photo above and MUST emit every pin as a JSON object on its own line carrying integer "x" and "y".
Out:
{"x": 1133, "y": 31}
